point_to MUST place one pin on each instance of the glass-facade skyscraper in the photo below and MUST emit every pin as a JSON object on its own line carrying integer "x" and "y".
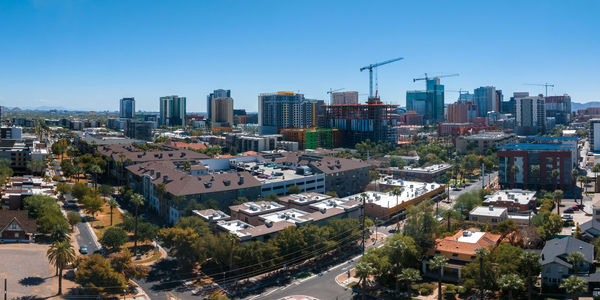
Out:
{"x": 429, "y": 103}
{"x": 172, "y": 111}
{"x": 127, "y": 109}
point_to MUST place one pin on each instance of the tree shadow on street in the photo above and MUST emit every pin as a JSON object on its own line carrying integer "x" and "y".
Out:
{"x": 31, "y": 281}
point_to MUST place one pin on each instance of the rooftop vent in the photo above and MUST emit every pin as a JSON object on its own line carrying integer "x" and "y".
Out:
{"x": 165, "y": 179}
{"x": 207, "y": 185}
{"x": 467, "y": 233}
{"x": 226, "y": 182}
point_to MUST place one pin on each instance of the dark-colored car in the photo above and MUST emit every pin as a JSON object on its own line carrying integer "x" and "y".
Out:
{"x": 83, "y": 250}
{"x": 569, "y": 211}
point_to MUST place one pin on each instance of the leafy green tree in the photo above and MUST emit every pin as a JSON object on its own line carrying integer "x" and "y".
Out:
{"x": 63, "y": 189}
{"x": 95, "y": 274}
{"x": 574, "y": 285}
{"x": 36, "y": 166}
{"x": 60, "y": 233}
{"x": 294, "y": 189}
{"x": 105, "y": 190}
{"x": 467, "y": 201}
{"x": 61, "y": 254}
{"x": 507, "y": 259}
{"x": 480, "y": 273}
{"x": 197, "y": 224}
{"x": 510, "y": 282}
{"x": 438, "y": 262}
{"x": 421, "y": 224}
{"x": 73, "y": 218}
{"x": 240, "y": 200}
{"x": 113, "y": 238}
{"x": 45, "y": 211}
{"x": 332, "y": 194}
{"x": 147, "y": 231}
{"x": 184, "y": 245}
{"x": 92, "y": 204}
{"x": 555, "y": 174}
{"x": 448, "y": 214}
{"x": 121, "y": 262}
{"x": 79, "y": 190}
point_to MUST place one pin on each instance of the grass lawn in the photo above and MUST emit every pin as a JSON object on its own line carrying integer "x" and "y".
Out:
{"x": 102, "y": 220}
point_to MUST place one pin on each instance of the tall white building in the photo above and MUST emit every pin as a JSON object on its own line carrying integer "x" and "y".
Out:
{"x": 595, "y": 134}
{"x": 530, "y": 115}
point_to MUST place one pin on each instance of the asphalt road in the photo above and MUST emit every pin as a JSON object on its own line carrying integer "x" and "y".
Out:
{"x": 85, "y": 236}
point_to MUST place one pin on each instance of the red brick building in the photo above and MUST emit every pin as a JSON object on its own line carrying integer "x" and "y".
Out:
{"x": 16, "y": 226}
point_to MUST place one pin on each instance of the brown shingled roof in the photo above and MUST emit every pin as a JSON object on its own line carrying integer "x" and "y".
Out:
{"x": 20, "y": 216}
{"x": 133, "y": 154}
{"x": 179, "y": 183}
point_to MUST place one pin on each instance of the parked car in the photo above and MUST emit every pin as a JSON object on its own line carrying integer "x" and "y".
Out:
{"x": 83, "y": 250}
{"x": 569, "y": 211}
{"x": 567, "y": 217}
{"x": 574, "y": 207}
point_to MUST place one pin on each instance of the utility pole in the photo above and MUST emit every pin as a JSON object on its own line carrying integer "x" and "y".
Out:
{"x": 5, "y": 292}
{"x": 363, "y": 224}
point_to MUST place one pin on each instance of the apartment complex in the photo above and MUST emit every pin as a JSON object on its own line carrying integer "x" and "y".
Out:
{"x": 462, "y": 112}
{"x": 530, "y": 113}
{"x": 287, "y": 110}
{"x": 484, "y": 141}
{"x": 220, "y": 93}
{"x": 559, "y": 108}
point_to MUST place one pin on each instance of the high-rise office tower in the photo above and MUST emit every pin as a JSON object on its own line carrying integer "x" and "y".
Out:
{"x": 429, "y": 103}
{"x": 172, "y": 111}
{"x": 486, "y": 99}
{"x": 287, "y": 110}
{"x": 221, "y": 112}
{"x": 530, "y": 115}
{"x": 348, "y": 97}
{"x": 220, "y": 93}
{"x": 127, "y": 109}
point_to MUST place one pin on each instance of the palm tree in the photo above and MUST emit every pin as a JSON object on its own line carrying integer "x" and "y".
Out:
{"x": 187, "y": 165}
{"x": 112, "y": 203}
{"x": 408, "y": 275}
{"x": 397, "y": 192}
{"x": 535, "y": 171}
{"x": 511, "y": 282}
{"x": 574, "y": 286}
{"x": 61, "y": 254}
{"x": 363, "y": 269}
{"x": 514, "y": 170}
{"x": 448, "y": 214}
{"x": 557, "y": 196}
{"x": 396, "y": 247}
{"x": 438, "y": 263}
{"x": 95, "y": 170}
{"x": 137, "y": 200}
{"x": 583, "y": 182}
{"x": 481, "y": 253}
{"x": 529, "y": 259}
{"x": 122, "y": 166}
{"x": 574, "y": 174}
{"x": 555, "y": 174}
{"x": 60, "y": 233}
{"x": 575, "y": 259}
{"x": 77, "y": 170}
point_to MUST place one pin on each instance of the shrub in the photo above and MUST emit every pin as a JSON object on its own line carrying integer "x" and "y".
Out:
{"x": 450, "y": 291}
{"x": 426, "y": 289}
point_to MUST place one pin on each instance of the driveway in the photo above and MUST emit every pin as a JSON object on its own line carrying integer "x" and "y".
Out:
{"x": 28, "y": 271}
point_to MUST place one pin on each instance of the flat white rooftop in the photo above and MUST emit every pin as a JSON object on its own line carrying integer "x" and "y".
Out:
{"x": 430, "y": 169}
{"x": 308, "y": 197}
{"x": 236, "y": 227}
{"x": 293, "y": 215}
{"x": 261, "y": 206}
{"x": 335, "y": 203}
{"x": 519, "y": 196}
{"x": 489, "y": 211}
{"x": 409, "y": 191}
{"x": 470, "y": 237}
{"x": 211, "y": 215}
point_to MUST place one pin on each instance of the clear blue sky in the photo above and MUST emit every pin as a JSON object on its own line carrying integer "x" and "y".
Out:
{"x": 88, "y": 54}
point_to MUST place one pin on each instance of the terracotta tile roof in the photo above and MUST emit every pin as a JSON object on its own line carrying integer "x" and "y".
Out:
{"x": 184, "y": 145}
{"x": 453, "y": 245}
{"x": 180, "y": 183}
{"x": 250, "y": 153}
{"x": 20, "y": 216}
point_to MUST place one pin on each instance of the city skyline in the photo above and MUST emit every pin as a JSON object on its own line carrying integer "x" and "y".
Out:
{"x": 88, "y": 55}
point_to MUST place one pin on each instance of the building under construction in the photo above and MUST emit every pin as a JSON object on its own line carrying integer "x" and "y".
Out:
{"x": 313, "y": 138}
{"x": 360, "y": 122}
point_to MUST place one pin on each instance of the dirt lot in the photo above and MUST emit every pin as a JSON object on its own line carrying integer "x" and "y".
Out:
{"x": 28, "y": 272}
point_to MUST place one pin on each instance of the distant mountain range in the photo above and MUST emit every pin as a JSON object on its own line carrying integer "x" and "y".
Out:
{"x": 577, "y": 106}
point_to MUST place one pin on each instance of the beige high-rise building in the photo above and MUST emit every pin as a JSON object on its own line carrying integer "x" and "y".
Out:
{"x": 222, "y": 112}
{"x": 348, "y": 97}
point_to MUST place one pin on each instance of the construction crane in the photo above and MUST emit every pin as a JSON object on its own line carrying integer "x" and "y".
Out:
{"x": 546, "y": 85}
{"x": 373, "y": 66}
{"x": 330, "y": 92}
{"x": 440, "y": 76}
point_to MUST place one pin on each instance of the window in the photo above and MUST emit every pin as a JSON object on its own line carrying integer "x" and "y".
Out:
{"x": 454, "y": 255}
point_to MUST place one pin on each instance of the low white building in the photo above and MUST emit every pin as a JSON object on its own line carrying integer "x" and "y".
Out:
{"x": 488, "y": 215}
